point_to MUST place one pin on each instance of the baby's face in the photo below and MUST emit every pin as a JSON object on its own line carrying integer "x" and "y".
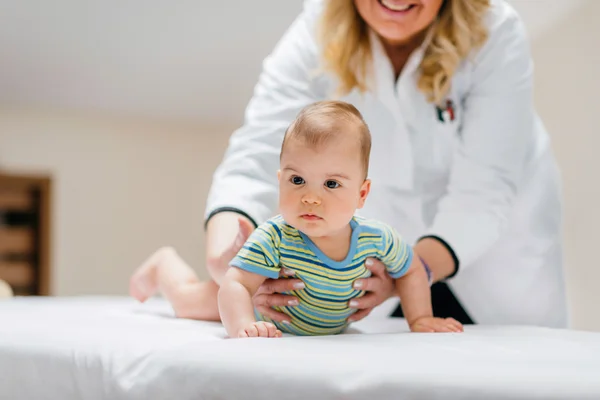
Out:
{"x": 321, "y": 188}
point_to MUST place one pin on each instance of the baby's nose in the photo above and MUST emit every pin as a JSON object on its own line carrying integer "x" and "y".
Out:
{"x": 311, "y": 198}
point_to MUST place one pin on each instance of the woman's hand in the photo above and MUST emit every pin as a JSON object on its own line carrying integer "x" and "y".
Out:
{"x": 226, "y": 233}
{"x": 229, "y": 245}
{"x": 269, "y": 295}
{"x": 379, "y": 288}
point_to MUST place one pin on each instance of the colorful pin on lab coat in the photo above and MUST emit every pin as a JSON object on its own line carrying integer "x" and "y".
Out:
{"x": 446, "y": 114}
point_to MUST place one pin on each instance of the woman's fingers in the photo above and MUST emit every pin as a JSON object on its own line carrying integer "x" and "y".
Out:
{"x": 369, "y": 300}
{"x": 274, "y": 300}
{"x": 379, "y": 287}
{"x": 360, "y": 314}
{"x": 280, "y": 285}
{"x": 369, "y": 284}
{"x": 269, "y": 295}
{"x": 376, "y": 267}
{"x": 274, "y": 315}
{"x": 245, "y": 229}
{"x": 286, "y": 272}
{"x": 379, "y": 283}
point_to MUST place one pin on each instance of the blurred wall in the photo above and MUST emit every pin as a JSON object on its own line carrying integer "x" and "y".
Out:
{"x": 122, "y": 188}
{"x": 567, "y": 58}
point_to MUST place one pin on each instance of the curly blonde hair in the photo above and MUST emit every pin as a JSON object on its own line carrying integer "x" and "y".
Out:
{"x": 458, "y": 30}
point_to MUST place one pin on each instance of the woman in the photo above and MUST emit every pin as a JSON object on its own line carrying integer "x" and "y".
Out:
{"x": 461, "y": 164}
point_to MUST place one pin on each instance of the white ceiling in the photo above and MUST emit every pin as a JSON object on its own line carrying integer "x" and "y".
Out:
{"x": 190, "y": 59}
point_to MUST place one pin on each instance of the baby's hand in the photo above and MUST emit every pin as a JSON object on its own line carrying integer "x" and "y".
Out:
{"x": 432, "y": 324}
{"x": 260, "y": 329}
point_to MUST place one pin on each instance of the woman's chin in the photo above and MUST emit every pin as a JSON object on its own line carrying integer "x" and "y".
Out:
{"x": 395, "y": 36}
{"x": 401, "y": 35}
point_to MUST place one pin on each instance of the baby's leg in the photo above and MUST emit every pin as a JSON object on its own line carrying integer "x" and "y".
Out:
{"x": 166, "y": 272}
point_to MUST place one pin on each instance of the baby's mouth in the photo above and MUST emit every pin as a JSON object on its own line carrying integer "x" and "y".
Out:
{"x": 310, "y": 217}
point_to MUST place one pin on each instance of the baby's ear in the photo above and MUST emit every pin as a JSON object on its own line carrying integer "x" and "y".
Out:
{"x": 279, "y": 175}
{"x": 365, "y": 189}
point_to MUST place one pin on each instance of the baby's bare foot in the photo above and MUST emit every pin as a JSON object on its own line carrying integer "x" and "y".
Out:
{"x": 142, "y": 286}
{"x": 143, "y": 283}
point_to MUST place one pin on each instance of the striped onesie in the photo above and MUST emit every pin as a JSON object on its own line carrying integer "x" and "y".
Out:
{"x": 323, "y": 308}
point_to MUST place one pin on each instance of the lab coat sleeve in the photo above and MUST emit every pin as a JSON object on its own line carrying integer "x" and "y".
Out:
{"x": 495, "y": 141}
{"x": 246, "y": 179}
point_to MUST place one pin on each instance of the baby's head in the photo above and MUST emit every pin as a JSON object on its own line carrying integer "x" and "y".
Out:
{"x": 324, "y": 166}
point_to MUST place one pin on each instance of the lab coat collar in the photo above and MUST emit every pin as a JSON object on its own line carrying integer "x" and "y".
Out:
{"x": 397, "y": 97}
{"x": 386, "y": 88}
{"x": 382, "y": 64}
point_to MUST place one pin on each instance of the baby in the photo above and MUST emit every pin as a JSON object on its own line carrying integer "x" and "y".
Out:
{"x": 322, "y": 182}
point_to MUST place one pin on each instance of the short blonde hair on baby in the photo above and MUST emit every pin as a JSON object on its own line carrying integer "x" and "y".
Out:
{"x": 319, "y": 122}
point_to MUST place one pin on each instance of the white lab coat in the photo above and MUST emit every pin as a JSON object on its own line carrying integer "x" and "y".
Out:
{"x": 486, "y": 182}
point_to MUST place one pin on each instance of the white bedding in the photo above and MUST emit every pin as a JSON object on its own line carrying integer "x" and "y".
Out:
{"x": 114, "y": 348}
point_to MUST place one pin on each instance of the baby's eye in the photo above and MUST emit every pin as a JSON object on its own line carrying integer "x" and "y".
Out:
{"x": 332, "y": 184}
{"x": 297, "y": 180}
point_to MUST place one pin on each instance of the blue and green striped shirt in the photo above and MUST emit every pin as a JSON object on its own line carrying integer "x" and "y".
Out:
{"x": 323, "y": 308}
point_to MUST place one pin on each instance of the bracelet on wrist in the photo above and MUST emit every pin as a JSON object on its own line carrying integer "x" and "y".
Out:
{"x": 428, "y": 271}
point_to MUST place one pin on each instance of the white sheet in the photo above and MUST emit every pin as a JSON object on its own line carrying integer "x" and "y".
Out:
{"x": 114, "y": 348}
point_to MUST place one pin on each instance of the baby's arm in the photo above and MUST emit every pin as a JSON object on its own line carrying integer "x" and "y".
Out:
{"x": 413, "y": 289}
{"x": 235, "y": 305}
{"x": 257, "y": 260}
{"x": 415, "y": 298}
{"x": 412, "y": 285}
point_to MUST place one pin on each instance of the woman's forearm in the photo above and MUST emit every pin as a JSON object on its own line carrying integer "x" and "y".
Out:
{"x": 221, "y": 233}
{"x": 437, "y": 257}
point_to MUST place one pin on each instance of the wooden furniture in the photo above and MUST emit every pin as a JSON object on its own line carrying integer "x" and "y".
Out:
{"x": 25, "y": 233}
